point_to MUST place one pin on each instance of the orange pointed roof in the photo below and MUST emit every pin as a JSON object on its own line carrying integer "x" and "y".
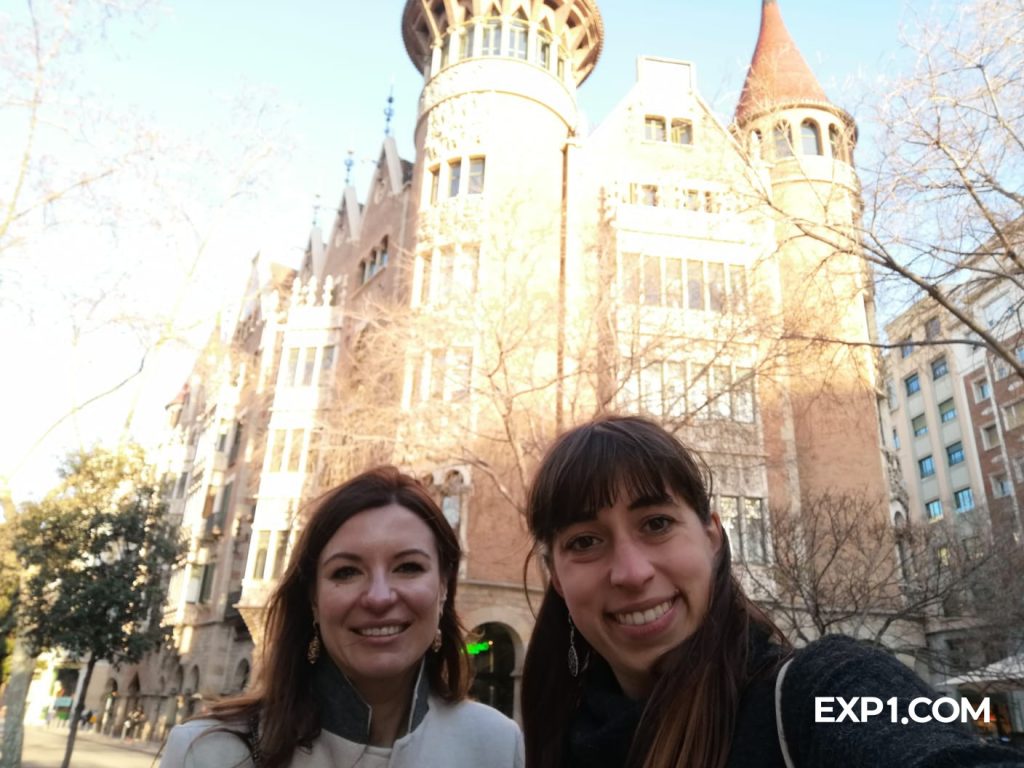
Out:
{"x": 778, "y": 74}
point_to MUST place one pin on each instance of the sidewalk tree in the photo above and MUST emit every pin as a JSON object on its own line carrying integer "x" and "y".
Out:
{"x": 96, "y": 552}
{"x": 838, "y": 567}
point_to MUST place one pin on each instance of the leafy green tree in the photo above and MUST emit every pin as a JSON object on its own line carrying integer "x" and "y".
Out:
{"x": 95, "y": 555}
{"x": 9, "y": 572}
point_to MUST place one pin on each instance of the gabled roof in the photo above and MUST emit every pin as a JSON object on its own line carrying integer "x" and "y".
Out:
{"x": 778, "y": 75}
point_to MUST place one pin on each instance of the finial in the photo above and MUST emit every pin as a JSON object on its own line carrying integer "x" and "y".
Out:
{"x": 316, "y": 210}
{"x": 389, "y": 110}
{"x": 349, "y": 162}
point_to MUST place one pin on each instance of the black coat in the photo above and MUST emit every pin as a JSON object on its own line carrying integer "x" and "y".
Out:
{"x": 602, "y": 729}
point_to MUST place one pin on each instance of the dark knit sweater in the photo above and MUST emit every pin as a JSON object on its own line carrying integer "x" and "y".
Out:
{"x": 603, "y": 727}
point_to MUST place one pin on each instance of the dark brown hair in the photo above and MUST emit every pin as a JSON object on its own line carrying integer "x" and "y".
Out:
{"x": 282, "y": 698}
{"x": 689, "y": 718}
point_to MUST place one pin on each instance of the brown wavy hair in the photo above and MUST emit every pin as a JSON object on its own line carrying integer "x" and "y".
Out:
{"x": 282, "y": 700}
{"x": 691, "y": 713}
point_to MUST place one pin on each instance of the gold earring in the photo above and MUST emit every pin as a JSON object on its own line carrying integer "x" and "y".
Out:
{"x": 436, "y": 645}
{"x": 313, "y": 651}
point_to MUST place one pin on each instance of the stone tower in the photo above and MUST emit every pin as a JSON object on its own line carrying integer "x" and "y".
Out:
{"x": 802, "y": 145}
{"x": 497, "y": 110}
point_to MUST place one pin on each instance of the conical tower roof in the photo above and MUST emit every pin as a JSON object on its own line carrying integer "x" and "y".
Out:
{"x": 778, "y": 74}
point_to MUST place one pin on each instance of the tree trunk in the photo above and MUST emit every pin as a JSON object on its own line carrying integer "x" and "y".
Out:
{"x": 76, "y": 715}
{"x": 22, "y": 665}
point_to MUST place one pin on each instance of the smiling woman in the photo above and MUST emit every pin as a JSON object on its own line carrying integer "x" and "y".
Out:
{"x": 647, "y": 653}
{"x": 364, "y": 661}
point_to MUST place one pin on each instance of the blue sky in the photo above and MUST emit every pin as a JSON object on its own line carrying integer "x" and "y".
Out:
{"x": 321, "y": 72}
{"x": 329, "y": 66}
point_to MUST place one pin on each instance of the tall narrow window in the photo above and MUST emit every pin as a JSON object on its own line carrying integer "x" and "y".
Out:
{"x": 737, "y": 288}
{"x": 630, "y": 278}
{"x": 445, "y": 274}
{"x": 206, "y": 585}
{"x": 490, "y": 44}
{"x": 461, "y": 373}
{"x": 695, "y": 284}
{"x": 518, "y": 35}
{"x": 652, "y": 280}
{"x": 544, "y": 49}
{"x": 682, "y": 132}
{"x": 673, "y": 282}
{"x": 277, "y": 450}
{"x": 716, "y": 286}
{"x": 743, "y": 396}
{"x": 326, "y": 364}
{"x": 259, "y": 563}
{"x": 835, "y": 141}
{"x": 810, "y": 138}
{"x": 280, "y": 552}
{"x": 292, "y": 371}
{"x": 445, "y": 42}
{"x": 309, "y": 366}
{"x": 437, "y": 374}
{"x": 454, "y": 177}
{"x": 466, "y": 42}
{"x": 783, "y": 140}
{"x": 476, "y": 175}
{"x": 295, "y": 450}
{"x": 675, "y": 389}
{"x": 753, "y": 531}
{"x": 926, "y": 466}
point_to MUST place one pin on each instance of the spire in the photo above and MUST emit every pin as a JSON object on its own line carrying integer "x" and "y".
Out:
{"x": 778, "y": 74}
{"x": 389, "y": 110}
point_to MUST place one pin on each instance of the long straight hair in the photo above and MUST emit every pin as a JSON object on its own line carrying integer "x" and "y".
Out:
{"x": 282, "y": 700}
{"x": 690, "y": 716}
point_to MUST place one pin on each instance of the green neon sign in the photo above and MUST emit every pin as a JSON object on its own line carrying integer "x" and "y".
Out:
{"x": 474, "y": 649}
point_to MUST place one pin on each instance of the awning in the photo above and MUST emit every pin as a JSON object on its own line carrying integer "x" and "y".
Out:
{"x": 1003, "y": 675}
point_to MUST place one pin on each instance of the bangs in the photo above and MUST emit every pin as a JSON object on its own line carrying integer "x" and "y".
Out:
{"x": 592, "y": 467}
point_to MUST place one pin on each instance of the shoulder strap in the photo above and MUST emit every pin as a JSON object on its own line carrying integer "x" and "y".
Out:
{"x": 783, "y": 745}
{"x": 255, "y": 752}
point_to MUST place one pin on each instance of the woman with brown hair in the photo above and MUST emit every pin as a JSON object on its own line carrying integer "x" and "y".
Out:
{"x": 646, "y": 653}
{"x": 364, "y": 660}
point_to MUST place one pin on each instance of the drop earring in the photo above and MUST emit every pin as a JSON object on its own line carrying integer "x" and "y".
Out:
{"x": 575, "y": 668}
{"x": 313, "y": 650}
{"x": 436, "y": 645}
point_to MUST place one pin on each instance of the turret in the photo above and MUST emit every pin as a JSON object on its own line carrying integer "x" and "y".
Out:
{"x": 802, "y": 145}
{"x": 783, "y": 113}
{"x": 497, "y": 110}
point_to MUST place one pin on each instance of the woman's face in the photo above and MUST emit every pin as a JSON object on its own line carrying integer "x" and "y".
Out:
{"x": 379, "y": 595}
{"x": 637, "y": 580}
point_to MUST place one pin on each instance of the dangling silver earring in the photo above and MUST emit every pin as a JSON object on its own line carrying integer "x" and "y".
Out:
{"x": 575, "y": 668}
{"x": 313, "y": 651}
{"x": 436, "y": 645}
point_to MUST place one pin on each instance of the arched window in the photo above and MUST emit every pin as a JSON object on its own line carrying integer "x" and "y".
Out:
{"x": 519, "y": 35}
{"x": 783, "y": 140}
{"x": 756, "y": 142}
{"x": 835, "y": 140}
{"x": 544, "y": 41}
{"x": 451, "y": 497}
{"x": 810, "y": 138}
{"x": 490, "y": 37}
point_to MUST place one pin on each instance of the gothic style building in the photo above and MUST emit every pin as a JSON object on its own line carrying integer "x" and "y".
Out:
{"x": 518, "y": 275}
